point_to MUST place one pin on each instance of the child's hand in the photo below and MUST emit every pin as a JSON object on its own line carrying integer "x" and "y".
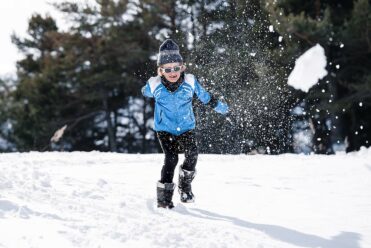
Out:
{"x": 221, "y": 108}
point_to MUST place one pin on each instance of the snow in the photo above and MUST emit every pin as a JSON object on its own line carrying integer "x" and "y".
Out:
{"x": 309, "y": 68}
{"x": 108, "y": 200}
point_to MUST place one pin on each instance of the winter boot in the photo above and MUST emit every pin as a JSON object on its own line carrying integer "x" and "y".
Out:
{"x": 184, "y": 187}
{"x": 165, "y": 194}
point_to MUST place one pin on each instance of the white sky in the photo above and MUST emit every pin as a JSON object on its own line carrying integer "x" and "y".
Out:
{"x": 14, "y": 16}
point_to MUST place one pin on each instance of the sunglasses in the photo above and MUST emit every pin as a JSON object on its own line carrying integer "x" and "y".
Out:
{"x": 171, "y": 69}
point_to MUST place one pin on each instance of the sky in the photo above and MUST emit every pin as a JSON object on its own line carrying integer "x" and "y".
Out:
{"x": 14, "y": 16}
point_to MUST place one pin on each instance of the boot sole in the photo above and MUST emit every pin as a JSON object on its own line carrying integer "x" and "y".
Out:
{"x": 165, "y": 206}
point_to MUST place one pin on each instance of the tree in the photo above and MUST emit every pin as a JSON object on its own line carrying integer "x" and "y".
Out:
{"x": 233, "y": 61}
{"x": 6, "y": 88}
{"x": 84, "y": 78}
{"x": 328, "y": 106}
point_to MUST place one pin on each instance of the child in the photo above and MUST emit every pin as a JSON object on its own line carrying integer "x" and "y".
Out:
{"x": 174, "y": 121}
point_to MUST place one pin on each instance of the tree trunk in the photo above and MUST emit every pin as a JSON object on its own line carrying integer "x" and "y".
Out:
{"x": 172, "y": 15}
{"x": 110, "y": 128}
{"x": 203, "y": 19}
{"x": 193, "y": 27}
{"x": 353, "y": 138}
{"x": 317, "y": 5}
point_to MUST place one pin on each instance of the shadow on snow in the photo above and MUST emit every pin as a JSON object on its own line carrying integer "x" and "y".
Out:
{"x": 342, "y": 240}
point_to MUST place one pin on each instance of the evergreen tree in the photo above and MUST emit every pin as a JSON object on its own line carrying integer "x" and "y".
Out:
{"x": 353, "y": 55}
{"x": 233, "y": 60}
{"x": 6, "y": 89}
{"x": 85, "y": 78}
{"x": 342, "y": 29}
{"x": 89, "y": 76}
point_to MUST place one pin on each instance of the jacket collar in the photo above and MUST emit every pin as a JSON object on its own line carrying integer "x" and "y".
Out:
{"x": 172, "y": 86}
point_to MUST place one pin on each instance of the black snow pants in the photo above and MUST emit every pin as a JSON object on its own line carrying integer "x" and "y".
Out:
{"x": 172, "y": 145}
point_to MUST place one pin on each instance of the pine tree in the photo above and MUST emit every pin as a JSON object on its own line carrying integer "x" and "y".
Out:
{"x": 342, "y": 28}
{"x": 86, "y": 78}
{"x": 234, "y": 62}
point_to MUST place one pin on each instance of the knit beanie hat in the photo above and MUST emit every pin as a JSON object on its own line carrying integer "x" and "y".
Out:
{"x": 169, "y": 53}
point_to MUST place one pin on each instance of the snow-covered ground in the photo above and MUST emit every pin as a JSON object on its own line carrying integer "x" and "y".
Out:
{"x": 108, "y": 200}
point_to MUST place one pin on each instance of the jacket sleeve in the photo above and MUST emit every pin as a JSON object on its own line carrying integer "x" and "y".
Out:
{"x": 146, "y": 90}
{"x": 201, "y": 93}
{"x": 207, "y": 98}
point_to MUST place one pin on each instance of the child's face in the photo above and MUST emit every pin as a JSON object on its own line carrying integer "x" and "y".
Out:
{"x": 171, "y": 71}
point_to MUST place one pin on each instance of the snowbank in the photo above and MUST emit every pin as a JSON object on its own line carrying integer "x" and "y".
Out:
{"x": 107, "y": 200}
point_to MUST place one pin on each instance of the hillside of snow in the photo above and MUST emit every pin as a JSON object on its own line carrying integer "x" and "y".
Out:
{"x": 108, "y": 200}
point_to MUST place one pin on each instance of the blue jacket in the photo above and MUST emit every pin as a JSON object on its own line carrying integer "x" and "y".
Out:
{"x": 173, "y": 110}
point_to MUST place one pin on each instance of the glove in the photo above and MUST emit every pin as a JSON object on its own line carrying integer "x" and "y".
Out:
{"x": 221, "y": 108}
